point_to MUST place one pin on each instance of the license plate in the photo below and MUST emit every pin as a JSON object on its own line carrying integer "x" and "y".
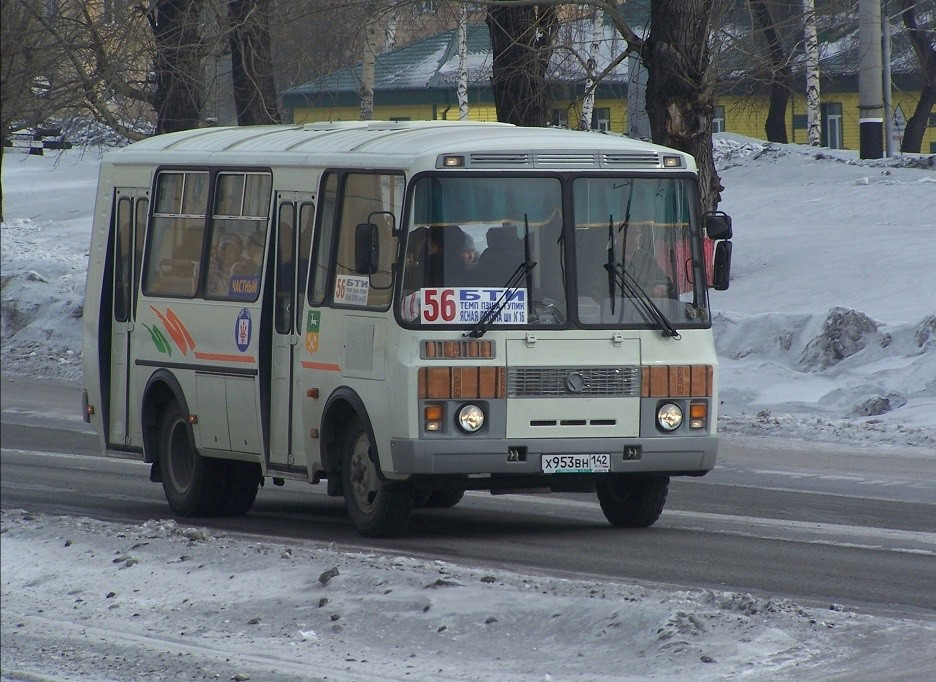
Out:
{"x": 576, "y": 464}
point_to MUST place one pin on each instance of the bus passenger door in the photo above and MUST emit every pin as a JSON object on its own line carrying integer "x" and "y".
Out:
{"x": 129, "y": 221}
{"x": 293, "y": 237}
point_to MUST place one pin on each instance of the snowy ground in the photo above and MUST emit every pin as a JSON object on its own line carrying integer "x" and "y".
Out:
{"x": 827, "y": 333}
{"x": 163, "y": 601}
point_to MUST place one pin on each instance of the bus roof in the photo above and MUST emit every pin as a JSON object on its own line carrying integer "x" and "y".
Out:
{"x": 400, "y": 144}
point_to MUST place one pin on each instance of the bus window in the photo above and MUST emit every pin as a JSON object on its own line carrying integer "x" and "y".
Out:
{"x": 175, "y": 240}
{"x": 285, "y": 269}
{"x": 239, "y": 220}
{"x": 142, "y": 207}
{"x": 123, "y": 268}
{"x": 319, "y": 274}
{"x": 368, "y": 198}
{"x": 306, "y": 218}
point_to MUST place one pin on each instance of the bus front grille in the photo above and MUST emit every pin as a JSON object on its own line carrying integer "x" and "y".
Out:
{"x": 573, "y": 382}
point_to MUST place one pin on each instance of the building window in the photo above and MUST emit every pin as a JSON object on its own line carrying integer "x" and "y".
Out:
{"x": 831, "y": 114}
{"x": 718, "y": 119}
{"x": 425, "y": 7}
{"x": 601, "y": 119}
{"x": 932, "y": 121}
{"x": 559, "y": 118}
{"x": 800, "y": 121}
{"x": 932, "y": 147}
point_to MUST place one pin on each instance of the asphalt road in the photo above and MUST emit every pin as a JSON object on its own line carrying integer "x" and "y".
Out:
{"x": 817, "y": 523}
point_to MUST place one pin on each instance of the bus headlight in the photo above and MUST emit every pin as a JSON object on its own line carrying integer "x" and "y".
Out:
{"x": 669, "y": 416}
{"x": 470, "y": 418}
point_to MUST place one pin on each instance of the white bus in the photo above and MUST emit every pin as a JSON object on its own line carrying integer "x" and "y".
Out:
{"x": 406, "y": 310}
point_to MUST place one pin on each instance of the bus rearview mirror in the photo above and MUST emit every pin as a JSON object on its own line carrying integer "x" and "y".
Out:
{"x": 718, "y": 225}
{"x": 722, "y": 264}
{"x": 366, "y": 248}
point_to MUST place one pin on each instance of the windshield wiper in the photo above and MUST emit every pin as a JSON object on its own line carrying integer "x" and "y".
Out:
{"x": 632, "y": 288}
{"x": 510, "y": 288}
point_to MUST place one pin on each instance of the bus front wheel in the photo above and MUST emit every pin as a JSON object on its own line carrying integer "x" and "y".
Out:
{"x": 189, "y": 480}
{"x": 632, "y": 501}
{"x": 378, "y": 508}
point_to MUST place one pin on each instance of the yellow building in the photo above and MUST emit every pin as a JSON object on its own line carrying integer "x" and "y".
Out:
{"x": 417, "y": 82}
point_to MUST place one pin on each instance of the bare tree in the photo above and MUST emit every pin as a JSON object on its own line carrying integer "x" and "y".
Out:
{"x": 521, "y": 43}
{"x": 924, "y": 44}
{"x": 177, "y": 64}
{"x": 775, "y": 126}
{"x": 252, "y": 62}
{"x": 680, "y": 86}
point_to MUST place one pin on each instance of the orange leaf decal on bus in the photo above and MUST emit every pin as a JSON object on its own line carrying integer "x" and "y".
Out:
{"x": 177, "y": 331}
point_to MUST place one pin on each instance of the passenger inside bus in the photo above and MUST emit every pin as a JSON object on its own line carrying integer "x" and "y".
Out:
{"x": 252, "y": 257}
{"x": 439, "y": 256}
{"x": 501, "y": 258}
{"x": 228, "y": 253}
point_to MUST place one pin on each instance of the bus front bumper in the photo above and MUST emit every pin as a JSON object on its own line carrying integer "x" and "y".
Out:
{"x": 679, "y": 455}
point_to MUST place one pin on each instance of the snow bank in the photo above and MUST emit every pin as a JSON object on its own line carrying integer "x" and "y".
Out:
{"x": 159, "y": 600}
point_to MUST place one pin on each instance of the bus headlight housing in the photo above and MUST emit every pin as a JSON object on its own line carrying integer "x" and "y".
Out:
{"x": 470, "y": 418}
{"x": 669, "y": 416}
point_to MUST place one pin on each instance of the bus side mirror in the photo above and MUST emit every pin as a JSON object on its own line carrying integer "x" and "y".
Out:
{"x": 718, "y": 225}
{"x": 366, "y": 248}
{"x": 722, "y": 269}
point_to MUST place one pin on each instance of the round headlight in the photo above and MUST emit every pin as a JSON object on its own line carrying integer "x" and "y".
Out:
{"x": 669, "y": 416}
{"x": 470, "y": 418}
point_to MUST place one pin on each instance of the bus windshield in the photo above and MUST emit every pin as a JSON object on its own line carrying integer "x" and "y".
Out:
{"x": 477, "y": 242}
{"x": 633, "y": 242}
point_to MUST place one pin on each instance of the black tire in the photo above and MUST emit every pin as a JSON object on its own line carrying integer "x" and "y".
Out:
{"x": 378, "y": 508}
{"x": 632, "y": 501}
{"x": 442, "y": 499}
{"x": 189, "y": 480}
{"x": 239, "y": 485}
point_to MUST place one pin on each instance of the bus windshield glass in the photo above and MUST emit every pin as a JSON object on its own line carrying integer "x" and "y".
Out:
{"x": 633, "y": 242}
{"x": 476, "y": 242}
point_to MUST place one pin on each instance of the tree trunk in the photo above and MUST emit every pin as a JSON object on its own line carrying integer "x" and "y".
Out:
{"x": 521, "y": 42}
{"x": 252, "y": 63}
{"x": 179, "y": 82}
{"x": 811, "y": 48}
{"x": 680, "y": 87}
{"x": 922, "y": 40}
{"x": 775, "y": 126}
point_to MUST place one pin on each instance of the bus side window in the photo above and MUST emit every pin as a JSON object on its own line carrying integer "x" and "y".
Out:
{"x": 142, "y": 208}
{"x": 368, "y": 198}
{"x": 174, "y": 246}
{"x": 306, "y": 221}
{"x": 123, "y": 261}
{"x": 319, "y": 273}
{"x": 285, "y": 269}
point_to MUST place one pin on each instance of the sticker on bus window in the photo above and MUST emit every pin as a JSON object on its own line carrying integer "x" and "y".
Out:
{"x": 244, "y": 287}
{"x": 242, "y": 330}
{"x": 409, "y": 306}
{"x": 466, "y": 305}
{"x": 351, "y": 290}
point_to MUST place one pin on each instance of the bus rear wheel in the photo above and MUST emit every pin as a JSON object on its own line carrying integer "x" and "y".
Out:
{"x": 632, "y": 501}
{"x": 189, "y": 480}
{"x": 378, "y": 508}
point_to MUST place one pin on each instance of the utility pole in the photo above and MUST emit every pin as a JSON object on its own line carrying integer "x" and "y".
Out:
{"x": 870, "y": 75}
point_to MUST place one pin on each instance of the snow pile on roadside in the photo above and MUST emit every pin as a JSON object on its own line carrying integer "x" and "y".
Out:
{"x": 159, "y": 599}
{"x": 839, "y": 376}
